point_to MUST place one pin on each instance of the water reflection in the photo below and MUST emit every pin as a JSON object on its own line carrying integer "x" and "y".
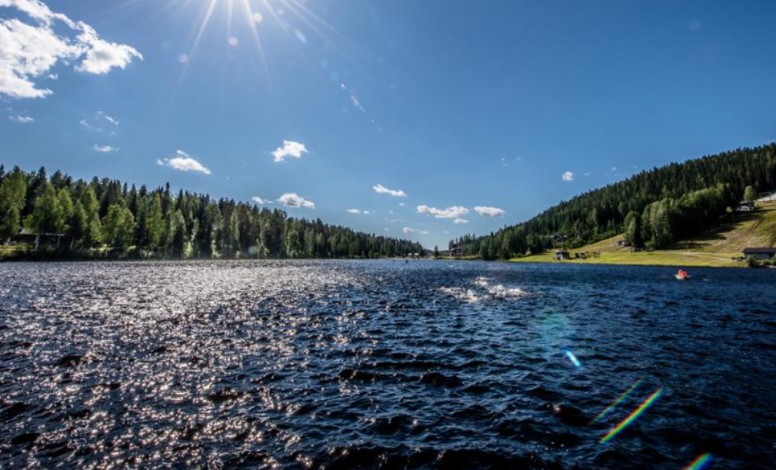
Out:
{"x": 262, "y": 364}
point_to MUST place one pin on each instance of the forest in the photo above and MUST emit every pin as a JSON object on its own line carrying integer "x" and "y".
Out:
{"x": 653, "y": 209}
{"x": 66, "y": 218}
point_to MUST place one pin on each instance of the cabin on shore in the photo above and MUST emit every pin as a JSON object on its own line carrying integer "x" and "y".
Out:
{"x": 562, "y": 254}
{"x": 458, "y": 251}
{"x": 36, "y": 239}
{"x": 745, "y": 206}
{"x": 760, "y": 253}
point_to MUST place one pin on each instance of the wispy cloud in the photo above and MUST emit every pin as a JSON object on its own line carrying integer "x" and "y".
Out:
{"x": 29, "y": 50}
{"x": 460, "y": 221}
{"x": 410, "y": 230}
{"x": 294, "y": 200}
{"x": 100, "y": 122}
{"x": 379, "y": 188}
{"x": 183, "y": 162}
{"x": 105, "y": 148}
{"x": 289, "y": 149}
{"x": 108, "y": 118}
{"x": 354, "y": 211}
{"x": 22, "y": 119}
{"x": 453, "y": 212}
{"x": 489, "y": 211}
{"x": 233, "y": 41}
{"x": 567, "y": 176}
{"x": 261, "y": 201}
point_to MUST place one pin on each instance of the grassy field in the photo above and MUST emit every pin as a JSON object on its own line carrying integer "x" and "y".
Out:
{"x": 719, "y": 247}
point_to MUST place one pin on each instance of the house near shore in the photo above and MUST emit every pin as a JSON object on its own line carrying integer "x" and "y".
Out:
{"x": 37, "y": 239}
{"x": 760, "y": 253}
{"x": 745, "y": 206}
{"x": 458, "y": 251}
{"x": 562, "y": 254}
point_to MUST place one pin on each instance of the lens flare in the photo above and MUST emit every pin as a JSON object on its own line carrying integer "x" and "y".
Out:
{"x": 632, "y": 417}
{"x": 619, "y": 400}
{"x": 573, "y": 358}
{"x": 700, "y": 462}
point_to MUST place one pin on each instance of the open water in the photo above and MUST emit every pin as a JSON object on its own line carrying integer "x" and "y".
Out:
{"x": 382, "y": 364}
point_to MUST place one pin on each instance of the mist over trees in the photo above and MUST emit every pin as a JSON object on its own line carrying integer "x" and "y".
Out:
{"x": 106, "y": 218}
{"x": 654, "y": 208}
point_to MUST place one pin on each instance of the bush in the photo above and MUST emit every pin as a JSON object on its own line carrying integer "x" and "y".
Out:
{"x": 752, "y": 262}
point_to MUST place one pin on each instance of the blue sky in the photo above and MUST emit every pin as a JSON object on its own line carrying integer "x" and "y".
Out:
{"x": 424, "y": 119}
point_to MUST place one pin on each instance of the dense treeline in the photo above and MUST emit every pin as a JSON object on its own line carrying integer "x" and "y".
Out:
{"x": 653, "y": 208}
{"x": 104, "y": 217}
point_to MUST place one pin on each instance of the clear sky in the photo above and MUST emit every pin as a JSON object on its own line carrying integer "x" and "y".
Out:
{"x": 424, "y": 119}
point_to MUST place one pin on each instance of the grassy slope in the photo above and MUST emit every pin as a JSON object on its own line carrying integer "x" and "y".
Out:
{"x": 714, "y": 247}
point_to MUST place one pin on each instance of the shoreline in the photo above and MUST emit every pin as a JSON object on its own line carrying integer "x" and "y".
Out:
{"x": 675, "y": 258}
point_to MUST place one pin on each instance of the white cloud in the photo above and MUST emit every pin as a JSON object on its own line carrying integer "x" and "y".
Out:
{"x": 105, "y": 148}
{"x": 289, "y": 149}
{"x": 410, "y": 230}
{"x": 453, "y": 212}
{"x": 379, "y": 188}
{"x": 460, "y": 221}
{"x": 102, "y": 55}
{"x": 183, "y": 162}
{"x": 261, "y": 201}
{"x": 402, "y": 204}
{"x": 489, "y": 211}
{"x": 294, "y": 200}
{"x": 567, "y": 176}
{"x": 29, "y": 51}
{"x": 22, "y": 119}
{"x": 354, "y": 211}
{"x": 233, "y": 41}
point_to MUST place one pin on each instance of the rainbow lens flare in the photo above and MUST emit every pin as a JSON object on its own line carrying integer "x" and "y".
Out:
{"x": 700, "y": 462}
{"x": 632, "y": 417}
{"x": 619, "y": 400}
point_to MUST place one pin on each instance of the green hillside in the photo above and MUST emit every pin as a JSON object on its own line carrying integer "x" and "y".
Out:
{"x": 654, "y": 209}
{"x": 721, "y": 245}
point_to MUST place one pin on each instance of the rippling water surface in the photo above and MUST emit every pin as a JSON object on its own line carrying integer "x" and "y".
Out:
{"x": 384, "y": 364}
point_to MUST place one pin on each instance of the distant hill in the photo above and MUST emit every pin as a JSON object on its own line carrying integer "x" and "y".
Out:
{"x": 656, "y": 209}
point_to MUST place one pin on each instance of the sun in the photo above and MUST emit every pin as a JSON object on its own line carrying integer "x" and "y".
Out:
{"x": 291, "y": 17}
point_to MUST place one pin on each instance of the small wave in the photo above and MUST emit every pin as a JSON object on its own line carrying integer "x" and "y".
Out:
{"x": 471, "y": 296}
{"x": 464, "y": 295}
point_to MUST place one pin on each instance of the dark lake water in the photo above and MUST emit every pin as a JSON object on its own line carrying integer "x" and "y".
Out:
{"x": 385, "y": 364}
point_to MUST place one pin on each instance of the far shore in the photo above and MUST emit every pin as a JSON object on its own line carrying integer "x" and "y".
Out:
{"x": 678, "y": 258}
